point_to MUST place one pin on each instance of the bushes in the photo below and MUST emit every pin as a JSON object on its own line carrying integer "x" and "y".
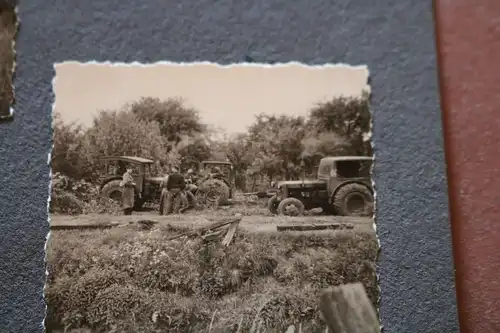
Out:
{"x": 126, "y": 281}
{"x": 69, "y": 196}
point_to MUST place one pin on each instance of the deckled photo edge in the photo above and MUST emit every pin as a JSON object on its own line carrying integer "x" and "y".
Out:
{"x": 367, "y": 89}
{"x": 209, "y": 63}
{"x": 49, "y": 196}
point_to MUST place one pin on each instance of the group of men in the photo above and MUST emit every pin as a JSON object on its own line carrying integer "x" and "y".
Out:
{"x": 174, "y": 186}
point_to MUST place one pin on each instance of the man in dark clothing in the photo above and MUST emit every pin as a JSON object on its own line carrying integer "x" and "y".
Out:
{"x": 175, "y": 187}
{"x": 216, "y": 173}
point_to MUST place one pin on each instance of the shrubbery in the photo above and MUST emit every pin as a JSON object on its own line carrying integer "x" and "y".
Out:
{"x": 69, "y": 196}
{"x": 122, "y": 280}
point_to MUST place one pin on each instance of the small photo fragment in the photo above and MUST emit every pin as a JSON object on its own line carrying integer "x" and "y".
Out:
{"x": 8, "y": 29}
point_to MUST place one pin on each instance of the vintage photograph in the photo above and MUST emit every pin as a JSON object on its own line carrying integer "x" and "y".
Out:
{"x": 211, "y": 198}
{"x": 8, "y": 30}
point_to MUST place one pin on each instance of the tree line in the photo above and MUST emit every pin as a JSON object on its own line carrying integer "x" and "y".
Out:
{"x": 275, "y": 147}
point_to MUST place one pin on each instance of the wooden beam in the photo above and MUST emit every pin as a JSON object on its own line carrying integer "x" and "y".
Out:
{"x": 309, "y": 227}
{"x": 230, "y": 233}
{"x": 347, "y": 309}
{"x": 86, "y": 226}
{"x": 202, "y": 230}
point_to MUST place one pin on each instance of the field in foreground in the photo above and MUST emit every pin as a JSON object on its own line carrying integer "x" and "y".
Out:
{"x": 122, "y": 280}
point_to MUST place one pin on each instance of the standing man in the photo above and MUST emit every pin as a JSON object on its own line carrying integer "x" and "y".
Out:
{"x": 175, "y": 187}
{"x": 163, "y": 195}
{"x": 128, "y": 192}
{"x": 216, "y": 173}
{"x": 191, "y": 187}
{"x": 191, "y": 179}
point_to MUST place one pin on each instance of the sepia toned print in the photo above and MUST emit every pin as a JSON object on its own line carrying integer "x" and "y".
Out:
{"x": 8, "y": 29}
{"x": 209, "y": 198}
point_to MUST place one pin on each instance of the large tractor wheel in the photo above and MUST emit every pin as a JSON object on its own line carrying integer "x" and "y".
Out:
{"x": 112, "y": 190}
{"x": 214, "y": 191}
{"x": 353, "y": 200}
{"x": 272, "y": 205}
{"x": 291, "y": 207}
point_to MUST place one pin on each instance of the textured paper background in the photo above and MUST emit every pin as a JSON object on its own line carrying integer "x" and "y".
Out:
{"x": 469, "y": 50}
{"x": 394, "y": 38}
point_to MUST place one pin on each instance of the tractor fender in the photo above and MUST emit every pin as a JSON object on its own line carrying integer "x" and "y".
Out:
{"x": 107, "y": 180}
{"x": 334, "y": 192}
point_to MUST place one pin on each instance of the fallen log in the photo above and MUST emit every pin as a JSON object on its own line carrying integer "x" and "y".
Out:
{"x": 312, "y": 226}
{"x": 347, "y": 309}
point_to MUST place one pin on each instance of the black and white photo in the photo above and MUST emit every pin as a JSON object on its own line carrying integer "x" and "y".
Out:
{"x": 208, "y": 198}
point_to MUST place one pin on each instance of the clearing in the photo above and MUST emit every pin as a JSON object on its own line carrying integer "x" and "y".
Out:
{"x": 253, "y": 223}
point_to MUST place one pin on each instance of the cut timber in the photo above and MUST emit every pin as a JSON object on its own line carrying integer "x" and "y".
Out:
{"x": 213, "y": 235}
{"x": 230, "y": 233}
{"x": 142, "y": 224}
{"x": 347, "y": 309}
{"x": 206, "y": 229}
{"x": 309, "y": 227}
{"x": 83, "y": 226}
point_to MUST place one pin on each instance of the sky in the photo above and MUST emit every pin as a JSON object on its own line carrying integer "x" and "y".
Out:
{"x": 228, "y": 97}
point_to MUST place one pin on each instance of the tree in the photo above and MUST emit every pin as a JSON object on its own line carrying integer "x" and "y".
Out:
{"x": 67, "y": 142}
{"x": 192, "y": 150}
{"x": 174, "y": 119}
{"x": 276, "y": 144}
{"x": 322, "y": 144}
{"x": 181, "y": 126}
{"x": 122, "y": 133}
{"x": 348, "y": 118}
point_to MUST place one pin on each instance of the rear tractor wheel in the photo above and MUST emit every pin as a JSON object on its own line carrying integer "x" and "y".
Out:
{"x": 354, "y": 200}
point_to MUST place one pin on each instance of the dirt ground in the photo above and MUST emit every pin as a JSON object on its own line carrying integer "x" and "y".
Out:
{"x": 255, "y": 218}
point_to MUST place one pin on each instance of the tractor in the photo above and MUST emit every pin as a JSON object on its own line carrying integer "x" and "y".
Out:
{"x": 343, "y": 187}
{"x": 212, "y": 185}
{"x": 147, "y": 187}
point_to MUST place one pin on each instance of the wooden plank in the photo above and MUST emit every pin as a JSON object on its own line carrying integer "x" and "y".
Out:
{"x": 347, "y": 309}
{"x": 230, "y": 233}
{"x": 311, "y": 226}
{"x": 202, "y": 230}
{"x": 86, "y": 226}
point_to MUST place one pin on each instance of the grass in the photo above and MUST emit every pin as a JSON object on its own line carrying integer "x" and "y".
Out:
{"x": 8, "y": 29}
{"x": 122, "y": 280}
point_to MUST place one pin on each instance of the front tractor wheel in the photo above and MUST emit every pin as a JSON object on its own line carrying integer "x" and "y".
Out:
{"x": 272, "y": 205}
{"x": 354, "y": 200}
{"x": 113, "y": 191}
{"x": 291, "y": 207}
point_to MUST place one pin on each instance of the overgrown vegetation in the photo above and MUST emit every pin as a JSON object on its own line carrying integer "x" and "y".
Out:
{"x": 120, "y": 280}
{"x": 78, "y": 197}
